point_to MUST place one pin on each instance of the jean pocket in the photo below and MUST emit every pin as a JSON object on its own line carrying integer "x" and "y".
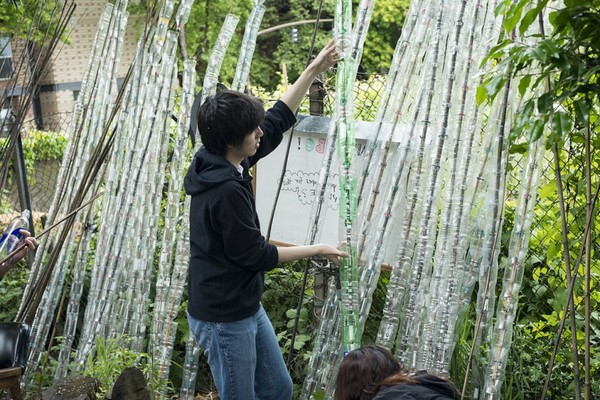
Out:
{"x": 200, "y": 330}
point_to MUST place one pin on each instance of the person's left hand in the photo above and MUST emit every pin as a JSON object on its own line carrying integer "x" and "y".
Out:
{"x": 30, "y": 244}
{"x": 333, "y": 254}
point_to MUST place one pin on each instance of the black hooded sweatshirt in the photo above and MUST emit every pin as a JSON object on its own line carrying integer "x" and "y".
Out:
{"x": 228, "y": 253}
{"x": 429, "y": 387}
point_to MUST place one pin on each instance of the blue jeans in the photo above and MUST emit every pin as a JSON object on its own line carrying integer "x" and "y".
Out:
{"x": 244, "y": 358}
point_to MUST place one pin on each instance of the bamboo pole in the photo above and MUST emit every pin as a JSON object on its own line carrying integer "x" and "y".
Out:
{"x": 588, "y": 267}
{"x": 565, "y": 242}
{"x": 570, "y": 289}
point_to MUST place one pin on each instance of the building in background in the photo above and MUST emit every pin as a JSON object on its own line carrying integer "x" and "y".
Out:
{"x": 61, "y": 82}
{"x": 52, "y": 106}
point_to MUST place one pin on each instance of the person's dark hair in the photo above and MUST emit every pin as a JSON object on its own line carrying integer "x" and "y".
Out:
{"x": 363, "y": 371}
{"x": 226, "y": 118}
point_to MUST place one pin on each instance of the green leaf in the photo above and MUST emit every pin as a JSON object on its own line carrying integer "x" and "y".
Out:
{"x": 300, "y": 341}
{"x": 582, "y": 111}
{"x": 481, "y": 95}
{"x": 520, "y": 57}
{"x": 531, "y": 16}
{"x": 548, "y": 190}
{"x": 560, "y": 297}
{"x": 544, "y": 103}
{"x": 497, "y": 51}
{"x": 319, "y": 394}
{"x": 551, "y": 48}
{"x": 590, "y": 72}
{"x": 539, "y": 53}
{"x": 559, "y": 19}
{"x": 540, "y": 290}
{"x": 553, "y": 249}
{"x": 513, "y": 15}
{"x": 561, "y": 62}
{"x": 524, "y": 84}
{"x": 494, "y": 85}
{"x": 519, "y": 148}
{"x": 524, "y": 115}
{"x": 561, "y": 124}
{"x": 578, "y": 136}
{"x": 536, "y": 130}
{"x": 502, "y": 7}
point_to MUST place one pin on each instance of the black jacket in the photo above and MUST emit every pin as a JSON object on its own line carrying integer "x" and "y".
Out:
{"x": 228, "y": 253}
{"x": 429, "y": 387}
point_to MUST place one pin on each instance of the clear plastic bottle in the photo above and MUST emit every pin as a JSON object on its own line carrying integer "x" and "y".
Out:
{"x": 11, "y": 236}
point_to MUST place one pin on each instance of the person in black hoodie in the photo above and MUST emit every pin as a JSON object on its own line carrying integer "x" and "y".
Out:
{"x": 228, "y": 253}
{"x": 373, "y": 373}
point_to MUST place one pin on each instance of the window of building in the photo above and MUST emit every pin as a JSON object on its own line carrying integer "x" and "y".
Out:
{"x": 6, "y": 118}
{"x": 6, "y": 62}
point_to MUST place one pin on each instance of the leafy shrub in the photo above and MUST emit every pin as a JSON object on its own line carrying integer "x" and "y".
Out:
{"x": 37, "y": 146}
{"x": 112, "y": 356}
{"x": 11, "y": 291}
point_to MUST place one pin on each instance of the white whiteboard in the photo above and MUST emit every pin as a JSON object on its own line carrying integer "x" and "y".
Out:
{"x": 292, "y": 216}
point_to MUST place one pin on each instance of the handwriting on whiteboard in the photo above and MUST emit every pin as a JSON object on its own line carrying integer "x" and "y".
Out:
{"x": 306, "y": 184}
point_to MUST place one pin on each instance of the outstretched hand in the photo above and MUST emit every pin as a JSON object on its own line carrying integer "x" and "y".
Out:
{"x": 326, "y": 58}
{"x": 332, "y": 253}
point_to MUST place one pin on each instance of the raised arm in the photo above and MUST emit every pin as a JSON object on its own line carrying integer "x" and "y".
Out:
{"x": 326, "y": 58}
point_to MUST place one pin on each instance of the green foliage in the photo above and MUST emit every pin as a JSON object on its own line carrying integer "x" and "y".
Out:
{"x": 34, "y": 20}
{"x": 367, "y": 93}
{"x": 37, "y": 146}
{"x": 544, "y": 292}
{"x": 112, "y": 356}
{"x": 462, "y": 349}
{"x": 384, "y": 32}
{"x": 562, "y": 69}
{"x": 44, "y": 145}
{"x": 557, "y": 76}
{"x": 11, "y": 291}
{"x": 376, "y": 312}
{"x": 202, "y": 30}
{"x": 40, "y": 146}
{"x": 43, "y": 377}
{"x": 5, "y": 204}
{"x": 276, "y": 48}
{"x": 527, "y": 370}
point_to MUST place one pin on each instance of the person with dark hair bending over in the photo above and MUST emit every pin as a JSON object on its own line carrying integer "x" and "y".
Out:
{"x": 228, "y": 253}
{"x": 372, "y": 372}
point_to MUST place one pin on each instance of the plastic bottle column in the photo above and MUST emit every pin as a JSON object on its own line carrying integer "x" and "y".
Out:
{"x": 347, "y": 182}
